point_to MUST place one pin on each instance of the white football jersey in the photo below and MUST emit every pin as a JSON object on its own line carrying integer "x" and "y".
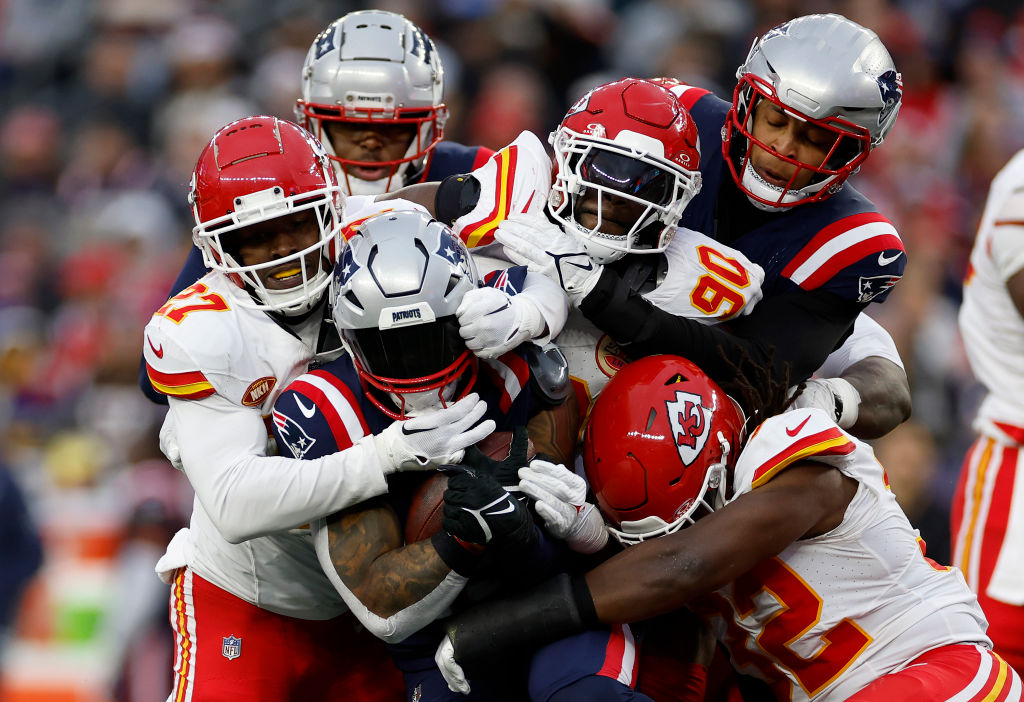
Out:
{"x": 832, "y": 613}
{"x": 222, "y": 365}
{"x": 991, "y": 327}
{"x": 704, "y": 280}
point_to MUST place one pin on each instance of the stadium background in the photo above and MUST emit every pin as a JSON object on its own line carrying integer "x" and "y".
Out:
{"x": 104, "y": 106}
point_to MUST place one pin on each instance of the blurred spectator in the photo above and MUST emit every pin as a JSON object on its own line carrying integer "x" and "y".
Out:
{"x": 20, "y": 551}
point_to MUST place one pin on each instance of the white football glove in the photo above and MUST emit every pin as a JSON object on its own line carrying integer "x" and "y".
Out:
{"x": 438, "y": 438}
{"x": 450, "y": 670}
{"x": 836, "y": 396}
{"x": 493, "y": 322}
{"x": 536, "y": 242}
{"x": 560, "y": 498}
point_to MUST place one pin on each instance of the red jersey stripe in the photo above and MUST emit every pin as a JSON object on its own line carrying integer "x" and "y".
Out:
{"x": 481, "y": 233}
{"x": 831, "y": 442}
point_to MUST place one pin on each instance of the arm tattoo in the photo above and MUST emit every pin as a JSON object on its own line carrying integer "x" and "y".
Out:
{"x": 368, "y": 555}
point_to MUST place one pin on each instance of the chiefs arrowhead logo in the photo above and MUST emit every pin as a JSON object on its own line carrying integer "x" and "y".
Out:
{"x": 690, "y": 422}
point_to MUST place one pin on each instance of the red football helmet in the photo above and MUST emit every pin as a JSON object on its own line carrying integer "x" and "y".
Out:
{"x": 257, "y": 169}
{"x": 632, "y": 139}
{"x": 659, "y": 444}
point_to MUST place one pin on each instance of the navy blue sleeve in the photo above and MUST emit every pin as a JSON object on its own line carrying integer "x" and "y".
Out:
{"x": 317, "y": 414}
{"x": 451, "y": 158}
{"x": 193, "y": 270}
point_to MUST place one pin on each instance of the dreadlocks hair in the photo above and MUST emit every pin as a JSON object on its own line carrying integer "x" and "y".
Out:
{"x": 754, "y": 388}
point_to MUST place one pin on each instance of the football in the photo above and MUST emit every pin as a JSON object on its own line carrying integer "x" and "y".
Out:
{"x": 424, "y": 517}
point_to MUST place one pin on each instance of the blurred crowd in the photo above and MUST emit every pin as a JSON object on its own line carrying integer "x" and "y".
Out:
{"x": 104, "y": 107}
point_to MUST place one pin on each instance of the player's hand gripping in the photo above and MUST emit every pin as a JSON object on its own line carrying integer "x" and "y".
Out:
{"x": 560, "y": 498}
{"x": 493, "y": 322}
{"x": 441, "y": 437}
{"x": 505, "y": 471}
{"x": 544, "y": 247}
{"x": 477, "y": 510}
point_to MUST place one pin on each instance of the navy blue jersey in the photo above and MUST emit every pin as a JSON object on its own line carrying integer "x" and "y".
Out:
{"x": 842, "y": 245}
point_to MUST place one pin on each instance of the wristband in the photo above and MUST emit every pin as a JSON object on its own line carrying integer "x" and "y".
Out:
{"x": 847, "y": 401}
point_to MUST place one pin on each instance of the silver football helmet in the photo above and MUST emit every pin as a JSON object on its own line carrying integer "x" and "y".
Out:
{"x": 375, "y": 66}
{"x": 394, "y": 293}
{"x": 825, "y": 70}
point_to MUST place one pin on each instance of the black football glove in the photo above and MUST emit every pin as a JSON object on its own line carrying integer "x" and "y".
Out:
{"x": 479, "y": 518}
{"x": 506, "y": 471}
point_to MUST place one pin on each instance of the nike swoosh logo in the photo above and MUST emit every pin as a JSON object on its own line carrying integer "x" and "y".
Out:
{"x": 159, "y": 352}
{"x": 307, "y": 412}
{"x": 408, "y": 432}
{"x": 509, "y": 507}
{"x": 796, "y": 430}
{"x": 496, "y": 311}
{"x": 588, "y": 267}
{"x": 885, "y": 261}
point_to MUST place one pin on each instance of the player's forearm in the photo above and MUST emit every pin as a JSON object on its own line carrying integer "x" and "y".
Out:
{"x": 256, "y": 495}
{"x": 884, "y": 396}
{"x": 394, "y": 595}
{"x": 550, "y": 300}
{"x": 365, "y": 550}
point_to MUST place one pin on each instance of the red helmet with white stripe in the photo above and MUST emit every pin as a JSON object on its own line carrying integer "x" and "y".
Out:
{"x": 262, "y": 169}
{"x": 629, "y": 140}
{"x": 659, "y": 445}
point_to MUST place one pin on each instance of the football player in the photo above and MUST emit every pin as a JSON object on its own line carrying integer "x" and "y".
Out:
{"x": 815, "y": 96}
{"x": 268, "y": 213}
{"x": 627, "y": 157}
{"x": 372, "y": 87}
{"x": 988, "y": 512}
{"x": 787, "y": 542}
{"x": 395, "y": 294}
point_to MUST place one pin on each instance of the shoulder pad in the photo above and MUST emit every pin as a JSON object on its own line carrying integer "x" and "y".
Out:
{"x": 516, "y": 179}
{"x": 807, "y": 433}
{"x": 316, "y": 415}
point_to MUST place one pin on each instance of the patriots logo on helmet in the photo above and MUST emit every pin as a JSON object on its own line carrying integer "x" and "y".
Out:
{"x": 452, "y": 250}
{"x": 299, "y": 442}
{"x": 325, "y": 42}
{"x": 346, "y": 268}
{"x": 690, "y": 422}
{"x": 890, "y": 87}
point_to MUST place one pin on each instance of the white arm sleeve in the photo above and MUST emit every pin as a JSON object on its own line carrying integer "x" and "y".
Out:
{"x": 247, "y": 493}
{"x": 550, "y": 300}
{"x": 869, "y": 338}
{"x": 402, "y": 624}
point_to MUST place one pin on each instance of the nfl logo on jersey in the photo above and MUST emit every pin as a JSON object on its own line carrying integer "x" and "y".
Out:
{"x": 232, "y": 647}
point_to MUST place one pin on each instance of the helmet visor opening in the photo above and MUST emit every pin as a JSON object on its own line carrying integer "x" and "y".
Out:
{"x": 627, "y": 175}
{"x": 409, "y": 353}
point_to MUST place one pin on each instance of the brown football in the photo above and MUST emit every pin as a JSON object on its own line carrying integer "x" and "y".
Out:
{"x": 424, "y": 517}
